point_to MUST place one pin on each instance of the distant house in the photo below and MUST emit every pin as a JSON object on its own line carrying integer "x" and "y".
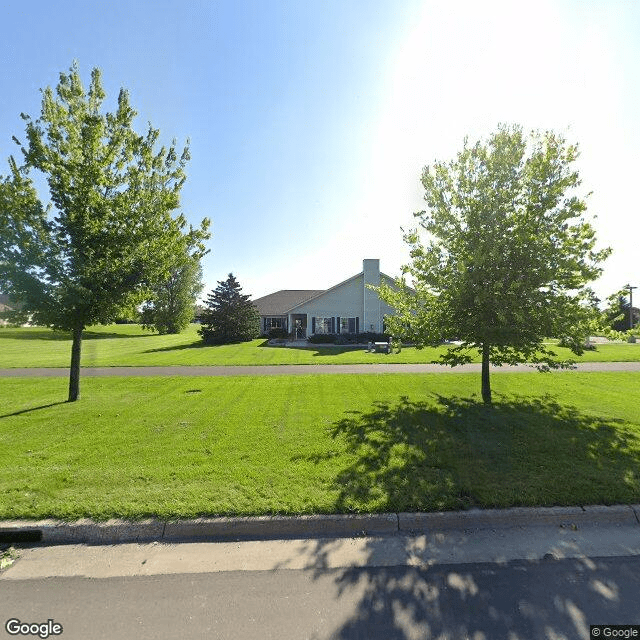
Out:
{"x": 347, "y": 307}
{"x": 5, "y": 307}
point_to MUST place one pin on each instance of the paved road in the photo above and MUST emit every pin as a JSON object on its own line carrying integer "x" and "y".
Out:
{"x": 347, "y": 589}
{"x": 524, "y": 600}
{"x": 302, "y": 369}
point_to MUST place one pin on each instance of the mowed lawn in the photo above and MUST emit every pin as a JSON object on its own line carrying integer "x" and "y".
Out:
{"x": 130, "y": 345}
{"x": 181, "y": 447}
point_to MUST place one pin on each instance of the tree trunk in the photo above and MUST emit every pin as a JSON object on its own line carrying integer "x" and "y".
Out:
{"x": 74, "y": 371}
{"x": 486, "y": 383}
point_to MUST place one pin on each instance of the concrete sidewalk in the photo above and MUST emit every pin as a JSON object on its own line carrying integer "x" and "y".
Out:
{"x": 314, "y": 526}
{"x": 305, "y": 369}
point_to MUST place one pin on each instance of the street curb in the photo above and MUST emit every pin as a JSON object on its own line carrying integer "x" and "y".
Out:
{"x": 283, "y": 527}
{"x": 312, "y": 526}
{"x": 518, "y": 517}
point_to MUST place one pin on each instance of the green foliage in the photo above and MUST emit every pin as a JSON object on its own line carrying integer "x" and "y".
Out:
{"x": 277, "y": 333}
{"x": 348, "y": 338}
{"x": 616, "y": 315}
{"x": 172, "y": 307}
{"x": 230, "y": 315}
{"x": 506, "y": 257}
{"x": 108, "y": 233}
{"x": 23, "y": 242}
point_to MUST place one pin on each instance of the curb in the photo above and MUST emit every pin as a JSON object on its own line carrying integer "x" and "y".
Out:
{"x": 312, "y": 526}
{"x": 520, "y": 517}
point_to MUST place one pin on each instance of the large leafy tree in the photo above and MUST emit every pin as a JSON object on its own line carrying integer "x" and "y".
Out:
{"x": 107, "y": 232}
{"x": 230, "y": 315}
{"x": 171, "y": 308}
{"x": 506, "y": 257}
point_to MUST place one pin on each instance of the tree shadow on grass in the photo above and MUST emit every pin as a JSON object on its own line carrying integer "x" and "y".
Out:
{"x": 99, "y": 335}
{"x": 336, "y": 351}
{"x": 65, "y": 336}
{"x": 197, "y": 344}
{"x": 317, "y": 350}
{"x": 22, "y": 411}
{"x": 453, "y": 453}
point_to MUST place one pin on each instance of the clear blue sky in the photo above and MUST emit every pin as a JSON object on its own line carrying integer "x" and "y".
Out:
{"x": 310, "y": 121}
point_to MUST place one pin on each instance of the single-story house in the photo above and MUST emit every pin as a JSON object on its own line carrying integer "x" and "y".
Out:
{"x": 5, "y": 307}
{"x": 348, "y": 307}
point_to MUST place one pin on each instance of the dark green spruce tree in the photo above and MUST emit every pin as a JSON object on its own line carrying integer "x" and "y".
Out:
{"x": 230, "y": 315}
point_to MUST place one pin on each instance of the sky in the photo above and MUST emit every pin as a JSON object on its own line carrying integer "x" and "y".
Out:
{"x": 310, "y": 122}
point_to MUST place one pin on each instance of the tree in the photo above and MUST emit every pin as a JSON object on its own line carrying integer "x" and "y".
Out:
{"x": 108, "y": 232}
{"x": 230, "y": 315}
{"x": 617, "y": 315}
{"x": 172, "y": 307}
{"x": 507, "y": 257}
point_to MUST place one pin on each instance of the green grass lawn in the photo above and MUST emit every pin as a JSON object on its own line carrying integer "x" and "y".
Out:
{"x": 183, "y": 447}
{"x": 129, "y": 345}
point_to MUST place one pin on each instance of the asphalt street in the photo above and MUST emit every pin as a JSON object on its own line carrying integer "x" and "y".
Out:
{"x": 521, "y": 583}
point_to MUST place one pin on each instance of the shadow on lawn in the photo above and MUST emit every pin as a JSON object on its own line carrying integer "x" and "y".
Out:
{"x": 317, "y": 350}
{"x": 198, "y": 344}
{"x": 62, "y": 336}
{"x": 336, "y": 351}
{"x": 22, "y": 411}
{"x": 454, "y": 453}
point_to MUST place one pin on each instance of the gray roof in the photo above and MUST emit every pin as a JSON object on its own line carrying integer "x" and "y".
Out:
{"x": 279, "y": 303}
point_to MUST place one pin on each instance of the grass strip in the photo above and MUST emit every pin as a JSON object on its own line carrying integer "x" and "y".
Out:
{"x": 129, "y": 345}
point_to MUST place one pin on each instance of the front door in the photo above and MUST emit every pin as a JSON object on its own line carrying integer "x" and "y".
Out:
{"x": 300, "y": 326}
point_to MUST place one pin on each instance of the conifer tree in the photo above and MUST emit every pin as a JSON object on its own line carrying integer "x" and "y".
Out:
{"x": 230, "y": 315}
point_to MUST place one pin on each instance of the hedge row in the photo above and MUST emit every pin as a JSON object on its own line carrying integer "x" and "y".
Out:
{"x": 348, "y": 338}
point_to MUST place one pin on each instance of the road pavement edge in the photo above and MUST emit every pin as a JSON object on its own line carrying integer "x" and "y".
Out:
{"x": 311, "y": 526}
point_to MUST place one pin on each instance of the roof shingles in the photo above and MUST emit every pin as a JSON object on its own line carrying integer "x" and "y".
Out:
{"x": 280, "y": 302}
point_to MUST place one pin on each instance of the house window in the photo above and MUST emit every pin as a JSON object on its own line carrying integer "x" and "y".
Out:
{"x": 323, "y": 325}
{"x": 347, "y": 325}
{"x": 273, "y": 323}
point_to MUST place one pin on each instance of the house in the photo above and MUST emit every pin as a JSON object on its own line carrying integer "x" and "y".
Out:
{"x": 6, "y": 306}
{"x": 348, "y": 307}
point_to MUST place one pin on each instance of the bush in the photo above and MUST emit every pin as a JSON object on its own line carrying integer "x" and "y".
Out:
{"x": 348, "y": 338}
{"x": 568, "y": 344}
{"x": 322, "y": 338}
{"x": 277, "y": 332}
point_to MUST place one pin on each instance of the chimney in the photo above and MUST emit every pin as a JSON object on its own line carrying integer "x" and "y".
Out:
{"x": 371, "y": 311}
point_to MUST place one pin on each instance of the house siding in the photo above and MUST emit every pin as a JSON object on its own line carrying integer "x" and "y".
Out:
{"x": 350, "y": 299}
{"x": 347, "y": 300}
